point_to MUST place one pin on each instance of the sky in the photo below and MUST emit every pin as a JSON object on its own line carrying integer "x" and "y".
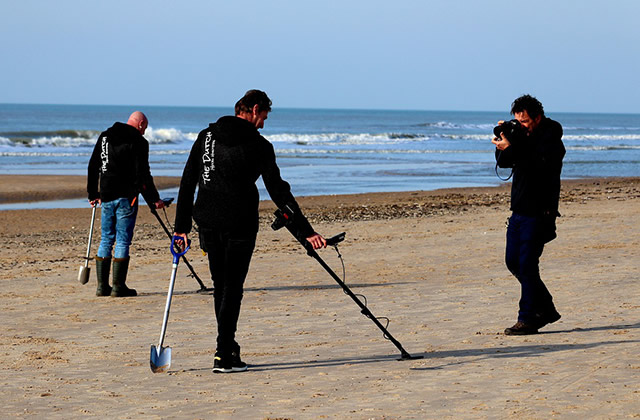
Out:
{"x": 467, "y": 55}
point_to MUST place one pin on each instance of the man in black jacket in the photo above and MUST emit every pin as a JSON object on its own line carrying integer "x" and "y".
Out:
{"x": 225, "y": 162}
{"x": 535, "y": 153}
{"x": 120, "y": 165}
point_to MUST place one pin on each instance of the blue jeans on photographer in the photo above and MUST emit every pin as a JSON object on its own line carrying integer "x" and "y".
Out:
{"x": 525, "y": 243}
{"x": 118, "y": 222}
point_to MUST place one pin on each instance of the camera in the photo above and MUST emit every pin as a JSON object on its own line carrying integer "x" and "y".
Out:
{"x": 512, "y": 130}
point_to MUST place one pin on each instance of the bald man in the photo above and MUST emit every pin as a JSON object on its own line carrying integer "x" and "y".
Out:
{"x": 119, "y": 171}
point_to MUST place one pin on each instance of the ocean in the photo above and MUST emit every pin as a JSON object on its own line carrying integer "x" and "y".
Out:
{"x": 319, "y": 151}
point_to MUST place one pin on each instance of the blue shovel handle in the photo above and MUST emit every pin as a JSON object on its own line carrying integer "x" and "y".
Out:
{"x": 176, "y": 254}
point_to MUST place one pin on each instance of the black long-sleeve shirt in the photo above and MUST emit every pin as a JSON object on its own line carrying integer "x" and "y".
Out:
{"x": 225, "y": 162}
{"x": 537, "y": 163}
{"x": 120, "y": 165}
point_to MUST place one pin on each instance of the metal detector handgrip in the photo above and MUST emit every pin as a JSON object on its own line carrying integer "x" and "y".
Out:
{"x": 335, "y": 240}
{"x": 167, "y": 202}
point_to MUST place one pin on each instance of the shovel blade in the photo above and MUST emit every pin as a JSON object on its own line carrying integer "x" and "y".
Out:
{"x": 160, "y": 361}
{"x": 83, "y": 274}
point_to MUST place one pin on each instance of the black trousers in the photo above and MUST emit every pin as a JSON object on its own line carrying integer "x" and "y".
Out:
{"x": 524, "y": 248}
{"x": 229, "y": 256}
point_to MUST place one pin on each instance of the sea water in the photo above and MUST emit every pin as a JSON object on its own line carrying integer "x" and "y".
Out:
{"x": 319, "y": 151}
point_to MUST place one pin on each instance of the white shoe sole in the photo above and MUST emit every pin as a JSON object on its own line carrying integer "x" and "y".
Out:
{"x": 229, "y": 370}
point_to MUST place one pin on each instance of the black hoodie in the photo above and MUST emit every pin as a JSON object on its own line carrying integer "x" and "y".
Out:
{"x": 225, "y": 162}
{"x": 120, "y": 161}
{"x": 537, "y": 163}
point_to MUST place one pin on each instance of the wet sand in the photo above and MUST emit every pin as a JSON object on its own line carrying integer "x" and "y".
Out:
{"x": 29, "y": 188}
{"x": 432, "y": 262}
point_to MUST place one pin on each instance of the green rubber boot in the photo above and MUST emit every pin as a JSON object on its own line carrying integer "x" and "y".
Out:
{"x": 103, "y": 266}
{"x": 120, "y": 269}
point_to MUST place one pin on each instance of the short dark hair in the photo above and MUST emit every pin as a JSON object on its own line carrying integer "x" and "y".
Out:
{"x": 250, "y": 99}
{"x": 527, "y": 103}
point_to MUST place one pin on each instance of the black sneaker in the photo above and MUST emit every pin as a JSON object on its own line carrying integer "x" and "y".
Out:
{"x": 547, "y": 318}
{"x": 237, "y": 365}
{"x": 228, "y": 364}
{"x": 520, "y": 328}
{"x": 220, "y": 365}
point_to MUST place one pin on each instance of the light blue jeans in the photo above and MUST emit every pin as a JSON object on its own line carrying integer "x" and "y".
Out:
{"x": 118, "y": 221}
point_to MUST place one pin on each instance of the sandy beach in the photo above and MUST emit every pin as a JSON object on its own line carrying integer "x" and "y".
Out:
{"x": 430, "y": 261}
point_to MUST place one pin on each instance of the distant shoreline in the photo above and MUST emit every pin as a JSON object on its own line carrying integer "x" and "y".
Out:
{"x": 42, "y": 188}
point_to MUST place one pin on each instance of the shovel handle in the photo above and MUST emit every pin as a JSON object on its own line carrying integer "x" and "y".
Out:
{"x": 177, "y": 254}
{"x": 93, "y": 219}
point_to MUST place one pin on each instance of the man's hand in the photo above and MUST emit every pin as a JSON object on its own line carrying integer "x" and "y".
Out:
{"x": 502, "y": 142}
{"x": 159, "y": 204}
{"x": 317, "y": 241}
{"x": 95, "y": 202}
{"x": 182, "y": 243}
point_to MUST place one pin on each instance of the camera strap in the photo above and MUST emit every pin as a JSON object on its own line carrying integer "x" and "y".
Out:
{"x": 496, "y": 169}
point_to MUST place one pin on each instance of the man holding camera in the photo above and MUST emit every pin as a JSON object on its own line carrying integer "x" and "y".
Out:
{"x": 225, "y": 162}
{"x": 531, "y": 145}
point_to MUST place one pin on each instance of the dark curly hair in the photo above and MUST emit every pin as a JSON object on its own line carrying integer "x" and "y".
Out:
{"x": 527, "y": 103}
{"x": 250, "y": 99}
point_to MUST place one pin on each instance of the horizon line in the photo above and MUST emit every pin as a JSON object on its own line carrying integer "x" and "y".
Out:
{"x": 310, "y": 108}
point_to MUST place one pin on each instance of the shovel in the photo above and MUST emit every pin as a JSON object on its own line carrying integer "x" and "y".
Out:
{"x": 83, "y": 274}
{"x": 160, "y": 360}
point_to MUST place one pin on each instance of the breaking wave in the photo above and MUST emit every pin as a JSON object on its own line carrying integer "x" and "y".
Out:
{"x": 85, "y": 138}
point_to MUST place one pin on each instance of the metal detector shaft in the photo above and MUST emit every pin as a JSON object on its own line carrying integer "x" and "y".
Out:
{"x": 285, "y": 217}
{"x": 184, "y": 259}
{"x": 365, "y": 311}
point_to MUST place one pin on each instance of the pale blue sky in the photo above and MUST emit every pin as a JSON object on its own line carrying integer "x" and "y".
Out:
{"x": 581, "y": 56}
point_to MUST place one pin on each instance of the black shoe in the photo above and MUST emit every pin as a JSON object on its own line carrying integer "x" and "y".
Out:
{"x": 236, "y": 364}
{"x": 221, "y": 366}
{"x": 228, "y": 364}
{"x": 546, "y": 318}
{"x": 520, "y": 328}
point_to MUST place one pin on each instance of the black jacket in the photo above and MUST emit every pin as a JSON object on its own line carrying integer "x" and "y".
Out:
{"x": 225, "y": 162}
{"x": 120, "y": 164}
{"x": 537, "y": 163}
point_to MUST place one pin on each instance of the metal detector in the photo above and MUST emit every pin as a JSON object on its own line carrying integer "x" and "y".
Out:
{"x": 167, "y": 203}
{"x": 286, "y": 218}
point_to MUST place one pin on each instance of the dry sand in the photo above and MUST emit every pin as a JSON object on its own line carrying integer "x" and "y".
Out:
{"x": 432, "y": 262}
